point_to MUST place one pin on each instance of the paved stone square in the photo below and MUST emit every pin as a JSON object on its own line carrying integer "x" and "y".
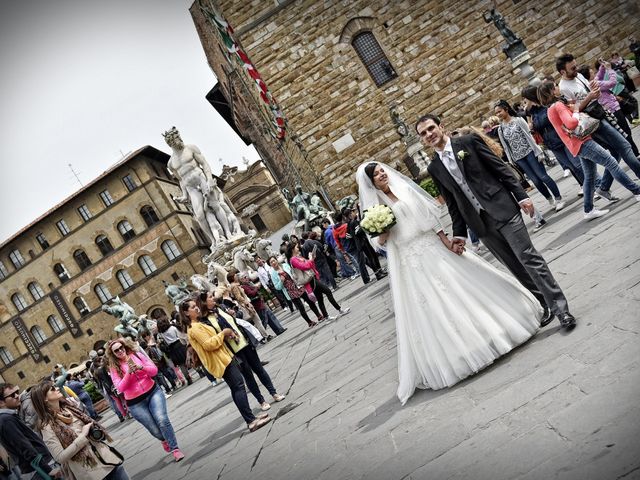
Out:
{"x": 562, "y": 406}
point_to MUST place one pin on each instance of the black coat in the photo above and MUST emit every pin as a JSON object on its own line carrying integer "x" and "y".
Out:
{"x": 490, "y": 180}
{"x": 22, "y": 443}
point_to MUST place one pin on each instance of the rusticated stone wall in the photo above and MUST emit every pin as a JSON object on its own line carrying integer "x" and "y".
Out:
{"x": 448, "y": 60}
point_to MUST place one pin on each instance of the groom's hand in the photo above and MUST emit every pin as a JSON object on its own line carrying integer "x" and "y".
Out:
{"x": 527, "y": 207}
{"x": 457, "y": 246}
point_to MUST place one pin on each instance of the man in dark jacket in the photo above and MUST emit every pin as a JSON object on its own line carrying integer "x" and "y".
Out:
{"x": 362, "y": 249}
{"x": 22, "y": 443}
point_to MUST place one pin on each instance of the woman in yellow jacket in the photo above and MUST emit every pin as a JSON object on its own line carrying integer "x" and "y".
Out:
{"x": 217, "y": 358}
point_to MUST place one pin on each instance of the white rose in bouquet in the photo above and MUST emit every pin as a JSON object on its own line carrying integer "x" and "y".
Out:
{"x": 378, "y": 219}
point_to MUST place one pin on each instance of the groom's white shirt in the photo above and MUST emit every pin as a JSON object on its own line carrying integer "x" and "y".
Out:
{"x": 449, "y": 162}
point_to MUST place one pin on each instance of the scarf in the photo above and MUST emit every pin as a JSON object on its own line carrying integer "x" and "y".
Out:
{"x": 62, "y": 429}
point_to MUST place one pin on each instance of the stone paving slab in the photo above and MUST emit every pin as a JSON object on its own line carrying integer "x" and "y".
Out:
{"x": 561, "y": 406}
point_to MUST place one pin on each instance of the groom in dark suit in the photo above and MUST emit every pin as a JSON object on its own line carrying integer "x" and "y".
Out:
{"x": 482, "y": 193}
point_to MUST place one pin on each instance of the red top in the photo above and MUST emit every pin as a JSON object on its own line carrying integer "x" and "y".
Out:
{"x": 559, "y": 114}
{"x": 339, "y": 231}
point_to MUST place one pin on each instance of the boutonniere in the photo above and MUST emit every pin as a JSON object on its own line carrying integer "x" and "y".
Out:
{"x": 462, "y": 155}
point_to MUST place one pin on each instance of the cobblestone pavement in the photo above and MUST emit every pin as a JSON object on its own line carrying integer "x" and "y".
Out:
{"x": 561, "y": 406}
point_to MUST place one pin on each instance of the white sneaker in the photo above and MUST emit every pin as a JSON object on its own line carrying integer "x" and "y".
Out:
{"x": 167, "y": 395}
{"x": 567, "y": 172}
{"x": 265, "y": 406}
{"x": 344, "y": 311}
{"x": 560, "y": 205}
{"x": 637, "y": 197}
{"x": 595, "y": 213}
{"x": 580, "y": 193}
{"x": 331, "y": 318}
{"x": 552, "y": 201}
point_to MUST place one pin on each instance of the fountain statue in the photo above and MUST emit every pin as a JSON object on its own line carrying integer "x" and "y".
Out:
{"x": 200, "y": 189}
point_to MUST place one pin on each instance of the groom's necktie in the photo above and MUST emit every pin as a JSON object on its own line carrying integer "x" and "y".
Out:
{"x": 452, "y": 167}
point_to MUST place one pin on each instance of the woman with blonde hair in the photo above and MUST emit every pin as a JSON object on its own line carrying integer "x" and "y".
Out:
{"x": 75, "y": 441}
{"x": 132, "y": 373}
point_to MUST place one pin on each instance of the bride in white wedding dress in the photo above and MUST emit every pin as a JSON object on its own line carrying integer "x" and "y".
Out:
{"x": 455, "y": 314}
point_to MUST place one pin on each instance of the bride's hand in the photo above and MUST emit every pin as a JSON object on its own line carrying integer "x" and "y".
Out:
{"x": 382, "y": 238}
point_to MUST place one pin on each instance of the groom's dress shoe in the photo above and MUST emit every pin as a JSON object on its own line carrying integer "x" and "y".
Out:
{"x": 567, "y": 321}
{"x": 546, "y": 317}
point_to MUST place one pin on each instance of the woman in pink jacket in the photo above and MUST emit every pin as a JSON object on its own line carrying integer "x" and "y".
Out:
{"x": 315, "y": 286}
{"x": 564, "y": 122}
{"x": 132, "y": 373}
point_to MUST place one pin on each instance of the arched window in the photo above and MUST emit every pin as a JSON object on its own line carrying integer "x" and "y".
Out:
{"x": 126, "y": 230}
{"x": 5, "y": 356}
{"x": 19, "y": 301}
{"x": 16, "y": 258}
{"x": 104, "y": 245}
{"x": 81, "y": 259}
{"x": 103, "y": 293}
{"x": 170, "y": 249}
{"x": 38, "y": 334}
{"x": 55, "y": 324}
{"x": 146, "y": 264}
{"x": 124, "y": 278}
{"x": 149, "y": 215}
{"x": 61, "y": 272}
{"x": 36, "y": 291}
{"x": 81, "y": 306}
{"x": 373, "y": 58}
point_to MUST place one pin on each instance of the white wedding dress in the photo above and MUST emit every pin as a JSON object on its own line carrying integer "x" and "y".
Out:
{"x": 454, "y": 314}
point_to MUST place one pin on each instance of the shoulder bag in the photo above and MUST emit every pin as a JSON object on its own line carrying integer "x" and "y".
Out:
{"x": 302, "y": 277}
{"x": 586, "y": 126}
{"x": 594, "y": 109}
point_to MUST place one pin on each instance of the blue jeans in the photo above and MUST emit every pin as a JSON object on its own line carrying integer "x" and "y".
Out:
{"x": 354, "y": 261}
{"x": 539, "y": 176}
{"x": 473, "y": 236}
{"x": 592, "y": 153}
{"x": 345, "y": 270}
{"x": 569, "y": 162}
{"x": 612, "y": 140}
{"x": 112, "y": 404}
{"x": 152, "y": 414}
{"x": 268, "y": 317}
{"x": 86, "y": 400}
{"x": 117, "y": 473}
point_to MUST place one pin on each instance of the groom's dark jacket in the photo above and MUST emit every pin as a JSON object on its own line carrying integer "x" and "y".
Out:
{"x": 491, "y": 181}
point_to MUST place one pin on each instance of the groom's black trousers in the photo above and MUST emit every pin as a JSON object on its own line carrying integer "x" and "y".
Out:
{"x": 510, "y": 243}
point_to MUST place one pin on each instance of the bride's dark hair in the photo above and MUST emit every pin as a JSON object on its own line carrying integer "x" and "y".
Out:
{"x": 369, "y": 169}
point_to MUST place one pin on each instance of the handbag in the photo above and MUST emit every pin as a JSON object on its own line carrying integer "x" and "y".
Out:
{"x": 586, "y": 126}
{"x": 302, "y": 277}
{"x": 594, "y": 109}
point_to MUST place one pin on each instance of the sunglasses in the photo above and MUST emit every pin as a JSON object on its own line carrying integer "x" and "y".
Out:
{"x": 13, "y": 394}
{"x": 119, "y": 349}
{"x": 53, "y": 388}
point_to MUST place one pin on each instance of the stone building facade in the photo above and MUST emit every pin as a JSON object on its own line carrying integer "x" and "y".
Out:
{"x": 257, "y": 198}
{"x": 121, "y": 235}
{"x": 437, "y": 56}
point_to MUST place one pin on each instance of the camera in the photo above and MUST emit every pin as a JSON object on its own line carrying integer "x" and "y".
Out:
{"x": 96, "y": 434}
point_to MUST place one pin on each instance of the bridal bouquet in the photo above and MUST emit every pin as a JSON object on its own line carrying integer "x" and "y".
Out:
{"x": 378, "y": 219}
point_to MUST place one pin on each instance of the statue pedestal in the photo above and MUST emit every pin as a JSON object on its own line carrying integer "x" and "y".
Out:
{"x": 219, "y": 252}
{"x": 519, "y": 56}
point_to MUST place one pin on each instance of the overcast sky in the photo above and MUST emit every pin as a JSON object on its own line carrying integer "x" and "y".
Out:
{"x": 83, "y": 81}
